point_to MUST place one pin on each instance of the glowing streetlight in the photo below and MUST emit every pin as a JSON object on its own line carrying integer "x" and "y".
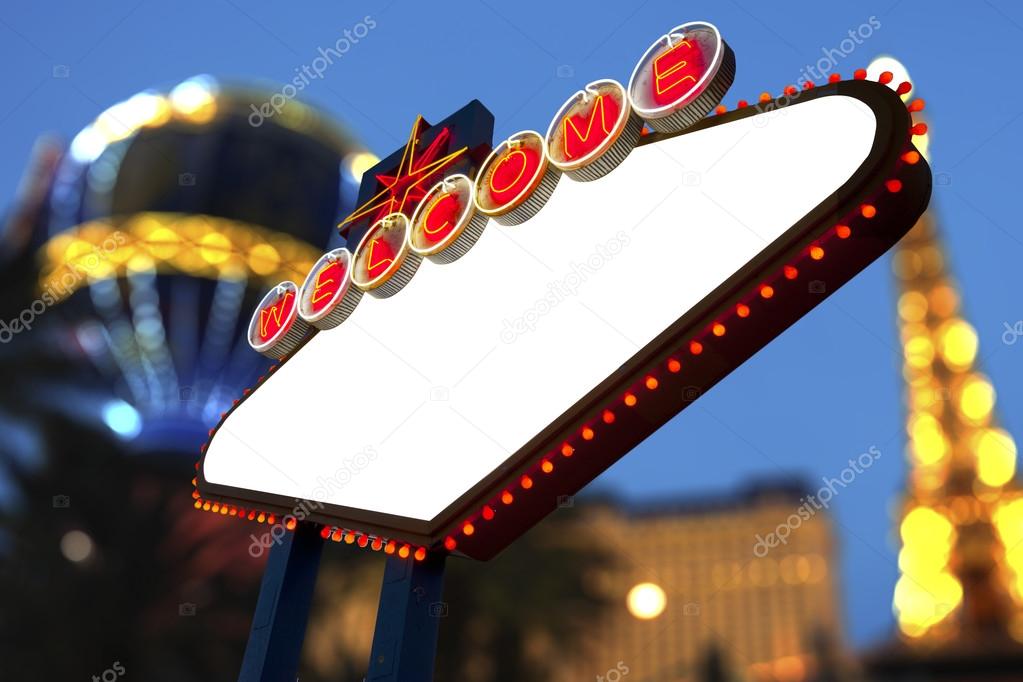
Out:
{"x": 646, "y": 601}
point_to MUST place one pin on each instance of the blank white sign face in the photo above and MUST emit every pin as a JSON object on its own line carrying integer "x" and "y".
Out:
{"x": 415, "y": 399}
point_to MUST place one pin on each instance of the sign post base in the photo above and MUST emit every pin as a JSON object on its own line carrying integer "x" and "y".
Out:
{"x": 408, "y": 618}
{"x": 282, "y": 611}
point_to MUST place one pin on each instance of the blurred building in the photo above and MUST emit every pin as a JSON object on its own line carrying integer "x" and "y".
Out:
{"x": 732, "y": 587}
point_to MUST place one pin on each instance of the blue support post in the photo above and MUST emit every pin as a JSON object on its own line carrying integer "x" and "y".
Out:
{"x": 408, "y": 618}
{"x": 282, "y": 611}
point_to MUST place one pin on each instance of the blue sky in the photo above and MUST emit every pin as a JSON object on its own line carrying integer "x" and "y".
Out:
{"x": 825, "y": 391}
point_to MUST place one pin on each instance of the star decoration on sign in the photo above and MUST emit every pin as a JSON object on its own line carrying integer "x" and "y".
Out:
{"x": 402, "y": 189}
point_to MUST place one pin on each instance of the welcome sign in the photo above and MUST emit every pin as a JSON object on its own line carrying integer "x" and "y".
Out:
{"x": 539, "y": 306}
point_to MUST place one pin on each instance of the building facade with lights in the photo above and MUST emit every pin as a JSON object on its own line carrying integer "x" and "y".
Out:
{"x": 698, "y": 585}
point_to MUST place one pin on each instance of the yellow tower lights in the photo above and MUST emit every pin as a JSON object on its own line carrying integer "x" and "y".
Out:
{"x": 961, "y": 561}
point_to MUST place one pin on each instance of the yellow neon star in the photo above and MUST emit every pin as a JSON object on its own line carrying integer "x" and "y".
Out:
{"x": 404, "y": 189}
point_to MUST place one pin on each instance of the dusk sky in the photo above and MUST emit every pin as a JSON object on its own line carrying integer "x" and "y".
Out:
{"x": 826, "y": 390}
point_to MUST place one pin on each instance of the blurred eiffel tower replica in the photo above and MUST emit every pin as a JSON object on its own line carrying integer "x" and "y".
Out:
{"x": 959, "y": 598}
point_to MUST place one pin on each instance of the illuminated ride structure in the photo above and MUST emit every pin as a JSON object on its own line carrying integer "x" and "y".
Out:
{"x": 129, "y": 262}
{"x": 162, "y": 221}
